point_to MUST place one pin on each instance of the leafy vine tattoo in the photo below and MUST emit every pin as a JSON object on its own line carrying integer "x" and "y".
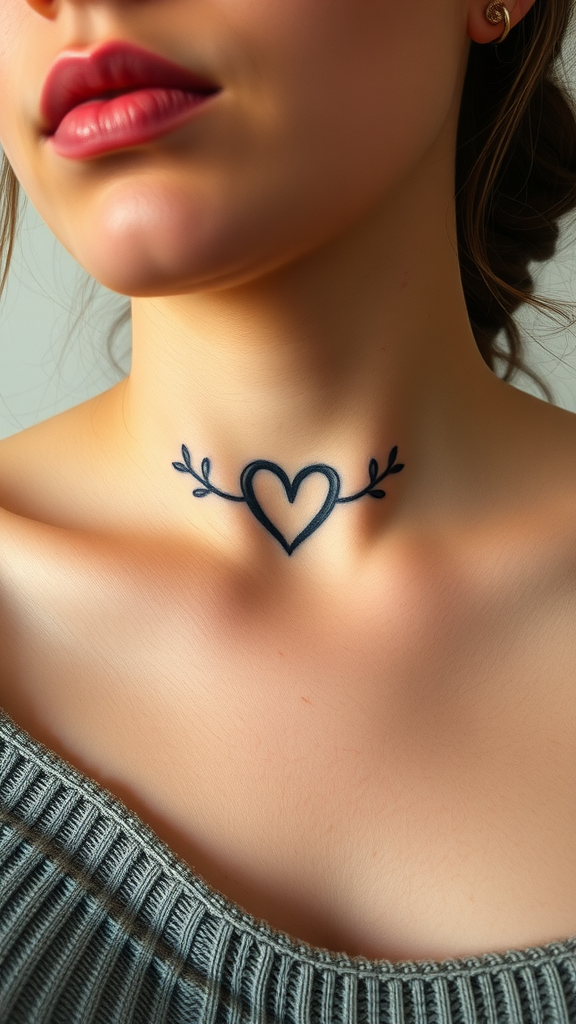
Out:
{"x": 247, "y": 487}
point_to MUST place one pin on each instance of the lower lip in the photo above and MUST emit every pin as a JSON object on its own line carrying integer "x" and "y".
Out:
{"x": 131, "y": 119}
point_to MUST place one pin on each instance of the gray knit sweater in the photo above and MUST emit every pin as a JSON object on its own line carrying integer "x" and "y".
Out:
{"x": 100, "y": 923}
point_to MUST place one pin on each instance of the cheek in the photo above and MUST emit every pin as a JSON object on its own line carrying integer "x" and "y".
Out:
{"x": 13, "y": 16}
{"x": 357, "y": 90}
{"x": 13, "y": 21}
{"x": 351, "y": 61}
{"x": 388, "y": 86}
{"x": 23, "y": 64}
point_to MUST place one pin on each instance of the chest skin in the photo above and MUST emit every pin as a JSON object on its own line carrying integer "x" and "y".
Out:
{"x": 385, "y": 771}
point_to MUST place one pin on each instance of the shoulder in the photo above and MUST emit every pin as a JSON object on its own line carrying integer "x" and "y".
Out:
{"x": 28, "y": 478}
{"x": 39, "y": 464}
{"x": 24, "y": 475}
{"x": 24, "y": 465}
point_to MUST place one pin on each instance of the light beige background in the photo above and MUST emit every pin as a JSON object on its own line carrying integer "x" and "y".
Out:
{"x": 47, "y": 363}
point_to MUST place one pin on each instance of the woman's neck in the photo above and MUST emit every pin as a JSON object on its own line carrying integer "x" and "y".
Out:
{"x": 336, "y": 359}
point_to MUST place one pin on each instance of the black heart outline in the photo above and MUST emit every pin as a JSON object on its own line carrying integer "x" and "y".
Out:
{"x": 246, "y": 483}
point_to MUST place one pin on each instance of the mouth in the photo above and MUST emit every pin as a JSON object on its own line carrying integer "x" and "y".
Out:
{"x": 116, "y": 68}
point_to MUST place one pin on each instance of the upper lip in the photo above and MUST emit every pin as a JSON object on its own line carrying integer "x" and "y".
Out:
{"x": 79, "y": 75}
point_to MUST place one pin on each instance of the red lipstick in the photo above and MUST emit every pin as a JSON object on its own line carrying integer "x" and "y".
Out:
{"x": 116, "y": 96}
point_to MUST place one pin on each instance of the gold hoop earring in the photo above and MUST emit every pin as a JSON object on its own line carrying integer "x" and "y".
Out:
{"x": 495, "y": 13}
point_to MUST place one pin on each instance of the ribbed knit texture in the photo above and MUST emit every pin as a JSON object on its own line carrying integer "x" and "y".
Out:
{"x": 100, "y": 923}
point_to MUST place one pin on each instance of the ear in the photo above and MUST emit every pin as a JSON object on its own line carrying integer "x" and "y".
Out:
{"x": 481, "y": 30}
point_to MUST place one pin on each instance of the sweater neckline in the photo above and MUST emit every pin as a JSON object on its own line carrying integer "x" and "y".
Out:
{"x": 112, "y": 808}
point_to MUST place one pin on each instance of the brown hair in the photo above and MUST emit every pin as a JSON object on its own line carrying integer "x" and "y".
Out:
{"x": 515, "y": 177}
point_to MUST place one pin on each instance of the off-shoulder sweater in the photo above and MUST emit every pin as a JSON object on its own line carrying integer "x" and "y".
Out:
{"x": 101, "y": 923}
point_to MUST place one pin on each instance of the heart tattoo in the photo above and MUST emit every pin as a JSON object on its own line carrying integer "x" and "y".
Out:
{"x": 247, "y": 487}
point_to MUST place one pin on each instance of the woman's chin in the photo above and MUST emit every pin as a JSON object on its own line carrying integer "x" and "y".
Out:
{"x": 141, "y": 240}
